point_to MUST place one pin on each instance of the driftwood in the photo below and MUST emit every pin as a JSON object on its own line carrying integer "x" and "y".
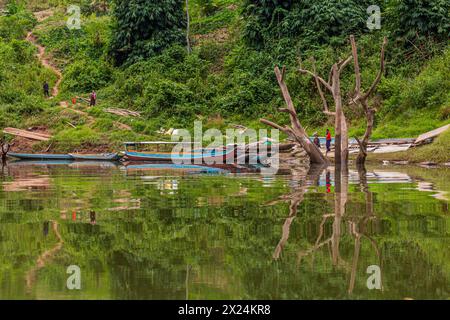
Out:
{"x": 123, "y": 112}
{"x": 27, "y": 134}
{"x": 296, "y": 132}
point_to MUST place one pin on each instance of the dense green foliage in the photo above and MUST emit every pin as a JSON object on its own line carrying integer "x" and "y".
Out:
{"x": 228, "y": 78}
{"x": 145, "y": 28}
{"x": 314, "y": 22}
{"x": 413, "y": 20}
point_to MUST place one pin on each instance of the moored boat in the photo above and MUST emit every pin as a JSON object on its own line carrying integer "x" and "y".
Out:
{"x": 220, "y": 155}
{"x": 96, "y": 157}
{"x": 41, "y": 156}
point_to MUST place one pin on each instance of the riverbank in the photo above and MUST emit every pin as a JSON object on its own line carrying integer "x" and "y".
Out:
{"x": 437, "y": 152}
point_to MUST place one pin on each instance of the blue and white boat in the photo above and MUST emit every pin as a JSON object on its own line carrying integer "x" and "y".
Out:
{"x": 95, "y": 157}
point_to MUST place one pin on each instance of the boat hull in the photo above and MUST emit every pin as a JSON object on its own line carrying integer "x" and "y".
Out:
{"x": 206, "y": 157}
{"x": 96, "y": 157}
{"x": 29, "y": 156}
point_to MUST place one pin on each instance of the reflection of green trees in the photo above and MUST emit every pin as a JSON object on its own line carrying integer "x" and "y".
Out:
{"x": 224, "y": 232}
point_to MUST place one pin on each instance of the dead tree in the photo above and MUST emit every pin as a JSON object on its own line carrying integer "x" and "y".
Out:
{"x": 296, "y": 132}
{"x": 333, "y": 87}
{"x": 5, "y": 147}
{"x": 362, "y": 98}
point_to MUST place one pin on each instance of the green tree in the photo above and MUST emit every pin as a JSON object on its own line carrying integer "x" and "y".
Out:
{"x": 144, "y": 28}
{"x": 315, "y": 22}
{"x": 418, "y": 19}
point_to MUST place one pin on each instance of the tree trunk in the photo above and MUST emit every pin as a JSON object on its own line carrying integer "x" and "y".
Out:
{"x": 362, "y": 156}
{"x": 339, "y": 116}
{"x": 296, "y": 131}
{"x": 188, "y": 26}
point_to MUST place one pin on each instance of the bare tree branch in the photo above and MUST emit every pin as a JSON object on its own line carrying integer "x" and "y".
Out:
{"x": 326, "y": 85}
{"x": 319, "y": 88}
{"x": 381, "y": 72}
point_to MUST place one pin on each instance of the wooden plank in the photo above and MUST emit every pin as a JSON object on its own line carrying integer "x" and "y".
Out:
{"x": 19, "y": 131}
{"x": 432, "y": 134}
{"x": 27, "y": 134}
{"x": 123, "y": 112}
{"x": 392, "y": 148}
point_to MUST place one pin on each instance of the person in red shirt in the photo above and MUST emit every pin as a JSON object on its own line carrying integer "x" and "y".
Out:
{"x": 328, "y": 141}
{"x": 93, "y": 99}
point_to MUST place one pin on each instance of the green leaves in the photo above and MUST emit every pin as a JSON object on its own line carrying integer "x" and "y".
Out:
{"x": 144, "y": 28}
{"x": 414, "y": 20}
{"x": 314, "y": 22}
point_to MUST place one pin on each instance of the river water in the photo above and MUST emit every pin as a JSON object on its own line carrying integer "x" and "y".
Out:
{"x": 156, "y": 232}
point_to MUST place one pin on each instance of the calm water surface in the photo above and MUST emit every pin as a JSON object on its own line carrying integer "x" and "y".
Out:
{"x": 183, "y": 234}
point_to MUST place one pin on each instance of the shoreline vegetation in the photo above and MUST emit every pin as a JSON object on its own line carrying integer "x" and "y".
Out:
{"x": 226, "y": 80}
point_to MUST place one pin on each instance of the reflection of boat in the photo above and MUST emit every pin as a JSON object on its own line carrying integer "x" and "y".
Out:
{"x": 39, "y": 163}
{"x": 93, "y": 164}
{"x": 174, "y": 167}
{"x": 96, "y": 157}
{"x": 43, "y": 156}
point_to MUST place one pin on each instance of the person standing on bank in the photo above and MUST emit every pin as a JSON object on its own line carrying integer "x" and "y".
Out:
{"x": 93, "y": 99}
{"x": 328, "y": 141}
{"x": 317, "y": 140}
{"x": 46, "y": 89}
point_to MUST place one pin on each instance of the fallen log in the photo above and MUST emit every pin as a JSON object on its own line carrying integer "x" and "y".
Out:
{"x": 122, "y": 126}
{"x": 27, "y": 134}
{"x": 123, "y": 112}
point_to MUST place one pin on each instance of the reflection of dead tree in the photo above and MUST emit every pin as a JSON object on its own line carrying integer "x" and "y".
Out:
{"x": 44, "y": 258}
{"x": 295, "y": 198}
{"x": 358, "y": 228}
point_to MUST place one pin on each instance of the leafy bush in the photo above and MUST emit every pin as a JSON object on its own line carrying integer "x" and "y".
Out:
{"x": 85, "y": 75}
{"x": 313, "y": 22}
{"x": 414, "y": 20}
{"x": 145, "y": 28}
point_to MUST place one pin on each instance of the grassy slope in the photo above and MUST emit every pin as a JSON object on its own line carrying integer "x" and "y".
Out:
{"x": 403, "y": 113}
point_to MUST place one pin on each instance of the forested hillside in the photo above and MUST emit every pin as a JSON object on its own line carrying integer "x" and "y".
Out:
{"x": 135, "y": 55}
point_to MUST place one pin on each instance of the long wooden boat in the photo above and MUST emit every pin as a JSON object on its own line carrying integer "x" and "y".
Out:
{"x": 43, "y": 156}
{"x": 96, "y": 157}
{"x": 197, "y": 155}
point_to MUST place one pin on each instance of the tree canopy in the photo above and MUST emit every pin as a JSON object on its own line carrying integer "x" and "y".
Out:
{"x": 144, "y": 28}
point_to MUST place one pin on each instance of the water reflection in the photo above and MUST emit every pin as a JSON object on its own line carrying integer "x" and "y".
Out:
{"x": 359, "y": 225}
{"x": 165, "y": 234}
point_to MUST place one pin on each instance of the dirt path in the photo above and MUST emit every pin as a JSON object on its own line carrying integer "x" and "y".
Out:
{"x": 46, "y": 63}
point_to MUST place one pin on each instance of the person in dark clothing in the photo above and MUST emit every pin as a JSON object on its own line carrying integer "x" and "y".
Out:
{"x": 316, "y": 140}
{"x": 328, "y": 141}
{"x": 93, "y": 99}
{"x": 93, "y": 217}
{"x": 46, "y": 228}
{"x": 46, "y": 89}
